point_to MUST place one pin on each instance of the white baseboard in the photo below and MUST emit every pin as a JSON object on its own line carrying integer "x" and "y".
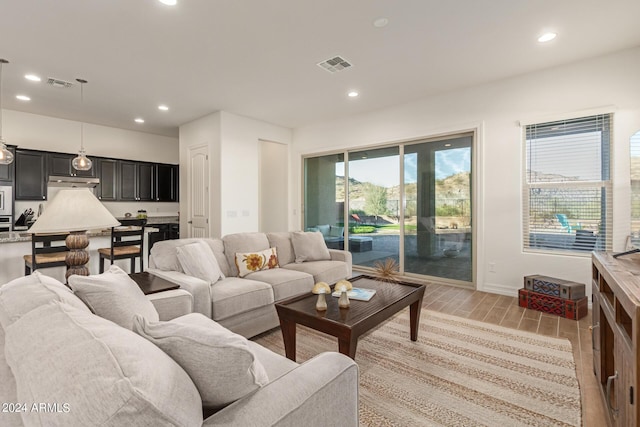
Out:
{"x": 495, "y": 288}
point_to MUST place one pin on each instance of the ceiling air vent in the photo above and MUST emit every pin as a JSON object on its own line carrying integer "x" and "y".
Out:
{"x": 334, "y": 64}
{"x": 58, "y": 83}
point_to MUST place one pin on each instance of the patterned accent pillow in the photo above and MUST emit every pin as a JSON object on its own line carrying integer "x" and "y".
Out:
{"x": 250, "y": 262}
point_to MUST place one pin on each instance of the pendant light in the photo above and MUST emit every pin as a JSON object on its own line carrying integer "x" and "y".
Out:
{"x": 6, "y": 156}
{"x": 82, "y": 162}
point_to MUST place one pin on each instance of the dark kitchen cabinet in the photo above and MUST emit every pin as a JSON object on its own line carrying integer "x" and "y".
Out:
{"x": 6, "y": 171}
{"x": 60, "y": 164}
{"x": 166, "y": 231}
{"x": 107, "y": 171}
{"x": 166, "y": 183}
{"x": 137, "y": 181}
{"x": 31, "y": 175}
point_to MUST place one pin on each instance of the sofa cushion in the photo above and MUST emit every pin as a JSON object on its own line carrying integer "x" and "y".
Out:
{"x": 250, "y": 262}
{"x": 164, "y": 256}
{"x": 336, "y": 231}
{"x": 324, "y": 229}
{"x": 322, "y": 271}
{"x": 242, "y": 243}
{"x": 197, "y": 260}
{"x": 101, "y": 373}
{"x": 285, "y": 283}
{"x": 8, "y": 392}
{"x": 282, "y": 242}
{"x": 309, "y": 246}
{"x": 274, "y": 364}
{"x": 20, "y": 296}
{"x": 114, "y": 296}
{"x": 233, "y": 296}
{"x": 221, "y": 364}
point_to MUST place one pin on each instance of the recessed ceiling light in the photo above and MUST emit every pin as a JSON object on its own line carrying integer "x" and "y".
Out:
{"x": 23, "y": 97}
{"x": 448, "y": 144}
{"x": 547, "y": 37}
{"x": 163, "y": 107}
{"x": 353, "y": 94}
{"x": 380, "y": 22}
{"x": 139, "y": 120}
{"x": 32, "y": 77}
{"x": 168, "y": 2}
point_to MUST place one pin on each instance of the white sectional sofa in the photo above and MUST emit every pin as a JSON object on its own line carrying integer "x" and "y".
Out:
{"x": 63, "y": 365}
{"x": 245, "y": 304}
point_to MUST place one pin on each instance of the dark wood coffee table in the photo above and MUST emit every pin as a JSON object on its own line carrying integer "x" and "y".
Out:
{"x": 151, "y": 284}
{"x": 347, "y": 324}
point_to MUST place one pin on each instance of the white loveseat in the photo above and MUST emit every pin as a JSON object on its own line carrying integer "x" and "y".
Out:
{"x": 62, "y": 365}
{"x": 245, "y": 305}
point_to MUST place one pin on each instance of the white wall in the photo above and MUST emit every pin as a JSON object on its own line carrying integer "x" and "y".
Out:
{"x": 234, "y": 167}
{"x": 495, "y": 110}
{"x": 274, "y": 185}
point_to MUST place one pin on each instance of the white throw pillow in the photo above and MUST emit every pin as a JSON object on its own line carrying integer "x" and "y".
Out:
{"x": 114, "y": 296}
{"x": 197, "y": 260}
{"x": 309, "y": 246}
{"x": 249, "y": 262}
{"x": 95, "y": 373}
{"x": 220, "y": 362}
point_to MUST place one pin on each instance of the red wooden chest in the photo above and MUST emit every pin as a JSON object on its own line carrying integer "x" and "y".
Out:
{"x": 570, "y": 309}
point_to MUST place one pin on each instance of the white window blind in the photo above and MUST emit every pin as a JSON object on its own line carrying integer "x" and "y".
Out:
{"x": 567, "y": 186}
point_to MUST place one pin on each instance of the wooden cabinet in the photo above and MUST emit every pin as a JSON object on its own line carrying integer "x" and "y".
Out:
{"x": 166, "y": 183}
{"x": 60, "y": 165}
{"x": 7, "y": 171}
{"x": 616, "y": 333}
{"x": 31, "y": 175}
{"x": 107, "y": 172}
{"x": 137, "y": 181}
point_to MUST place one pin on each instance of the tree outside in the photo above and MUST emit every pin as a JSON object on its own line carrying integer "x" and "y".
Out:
{"x": 375, "y": 200}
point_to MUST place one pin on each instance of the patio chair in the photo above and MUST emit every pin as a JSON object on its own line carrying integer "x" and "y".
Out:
{"x": 564, "y": 222}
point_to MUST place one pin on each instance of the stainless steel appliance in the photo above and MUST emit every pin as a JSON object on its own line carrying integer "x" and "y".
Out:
{"x": 6, "y": 208}
{"x": 6, "y": 200}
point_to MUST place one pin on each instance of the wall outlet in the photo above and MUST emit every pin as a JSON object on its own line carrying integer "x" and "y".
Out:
{"x": 492, "y": 267}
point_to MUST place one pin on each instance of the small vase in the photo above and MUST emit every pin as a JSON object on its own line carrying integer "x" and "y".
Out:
{"x": 321, "y": 305}
{"x": 343, "y": 301}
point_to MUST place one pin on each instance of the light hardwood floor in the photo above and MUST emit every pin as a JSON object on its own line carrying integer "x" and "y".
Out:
{"x": 505, "y": 311}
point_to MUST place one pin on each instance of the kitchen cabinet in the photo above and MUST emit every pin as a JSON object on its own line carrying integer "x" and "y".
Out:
{"x": 166, "y": 183}
{"x": 137, "y": 181}
{"x": 168, "y": 231}
{"x": 107, "y": 172}
{"x": 616, "y": 334}
{"x": 7, "y": 171}
{"x": 31, "y": 175}
{"x": 60, "y": 165}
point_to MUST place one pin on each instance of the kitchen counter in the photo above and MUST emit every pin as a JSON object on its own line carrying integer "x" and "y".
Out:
{"x": 23, "y": 236}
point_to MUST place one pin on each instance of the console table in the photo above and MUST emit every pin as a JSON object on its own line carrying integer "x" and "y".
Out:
{"x": 616, "y": 334}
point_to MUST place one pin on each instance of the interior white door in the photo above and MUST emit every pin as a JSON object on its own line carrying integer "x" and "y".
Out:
{"x": 198, "y": 188}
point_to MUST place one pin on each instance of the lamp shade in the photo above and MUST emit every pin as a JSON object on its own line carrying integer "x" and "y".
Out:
{"x": 73, "y": 210}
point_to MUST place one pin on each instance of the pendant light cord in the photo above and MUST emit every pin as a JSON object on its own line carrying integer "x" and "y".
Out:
{"x": 82, "y": 82}
{"x": 2, "y": 62}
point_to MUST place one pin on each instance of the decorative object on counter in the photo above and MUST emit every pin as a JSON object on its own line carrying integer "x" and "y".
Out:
{"x": 321, "y": 289}
{"x": 82, "y": 162}
{"x": 387, "y": 271}
{"x": 142, "y": 214}
{"x": 343, "y": 286}
{"x": 127, "y": 214}
{"x": 74, "y": 211}
{"x": 6, "y": 156}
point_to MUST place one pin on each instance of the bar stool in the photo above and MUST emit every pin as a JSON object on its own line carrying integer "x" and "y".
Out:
{"x": 47, "y": 250}
{"x": 127, "y": 242}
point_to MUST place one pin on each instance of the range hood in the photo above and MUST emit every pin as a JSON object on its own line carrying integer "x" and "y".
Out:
{"x": 73, "y": 181}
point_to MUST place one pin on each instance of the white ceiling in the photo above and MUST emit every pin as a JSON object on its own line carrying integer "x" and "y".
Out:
{"x": 258, "y": 58}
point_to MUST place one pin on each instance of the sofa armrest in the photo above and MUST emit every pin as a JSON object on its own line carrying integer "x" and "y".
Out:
{"x": 321, "y": 392}
{"x": 198, "y": 288}
{"x": 172, "y": 304}
{"x": 344, "y": 256}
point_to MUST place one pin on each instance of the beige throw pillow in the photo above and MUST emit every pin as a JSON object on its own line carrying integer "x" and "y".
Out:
{"x": 255, "y": 261}
{"x": 220, "y": 362}
{"x": 197, "y": 260}
{"x": 309, "y": 246}
{"x": 114, "y": 296}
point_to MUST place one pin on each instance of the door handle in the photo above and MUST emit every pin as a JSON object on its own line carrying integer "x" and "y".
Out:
{"x": 189, "y": 222}
{"x": 593, "y": 342}
{"x": 610, "y": 380}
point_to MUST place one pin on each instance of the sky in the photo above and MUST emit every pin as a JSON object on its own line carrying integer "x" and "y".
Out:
{"x": 384, "y": 171}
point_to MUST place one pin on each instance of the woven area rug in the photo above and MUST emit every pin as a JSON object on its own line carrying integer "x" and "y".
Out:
{"x": 459, "y": 373}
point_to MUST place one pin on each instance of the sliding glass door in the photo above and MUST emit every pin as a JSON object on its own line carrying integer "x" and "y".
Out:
{"x": 411, "y": 203}
{"x": 437, "y": 194}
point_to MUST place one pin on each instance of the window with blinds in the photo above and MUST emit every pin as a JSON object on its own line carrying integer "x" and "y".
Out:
{"x": 567, "y": 186}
